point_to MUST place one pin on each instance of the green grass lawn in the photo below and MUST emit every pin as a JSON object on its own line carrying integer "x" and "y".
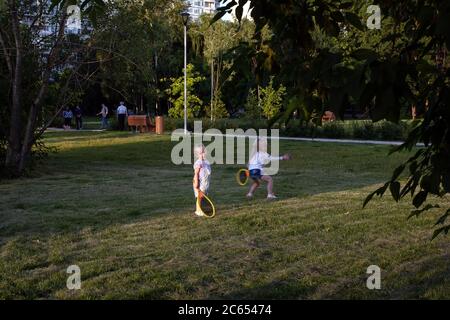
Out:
{"x": 113, "y": 204}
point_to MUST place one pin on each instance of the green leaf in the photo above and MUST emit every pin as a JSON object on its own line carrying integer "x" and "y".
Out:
{"x": 437, "y": 232}
{"x": 228, "y": 7}
{"x": 431, "y": 182}
{"x": 395, "y": 190}
{"x": 368, "y": 199}
{"x": 420, "y": 198}
{"x": 413, "y": 167}
{"x": 378, "y": 192}
{"x": 443, "y": 218}
{"x": 354, "y": 20}
{"x": 238, "y": 12}
{"x": 397, "y": 172}
{"x": 411, "y": 141}
{"x": 416, "y": 213}
{"x": 446, "y": 181}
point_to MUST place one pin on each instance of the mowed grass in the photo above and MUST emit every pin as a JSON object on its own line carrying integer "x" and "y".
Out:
{"x": 115, "y": 205}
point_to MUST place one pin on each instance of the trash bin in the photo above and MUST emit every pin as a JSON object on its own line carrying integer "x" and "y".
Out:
{"x": 159, "y": 125}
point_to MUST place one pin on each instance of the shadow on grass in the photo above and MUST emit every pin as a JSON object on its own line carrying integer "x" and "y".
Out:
{"x": 433, "y": 283}
{"x": 278, "y": 289}
{"x": 426, "y": 278}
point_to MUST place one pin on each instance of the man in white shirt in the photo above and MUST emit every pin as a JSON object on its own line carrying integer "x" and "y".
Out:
{"x": 122, "y": 113}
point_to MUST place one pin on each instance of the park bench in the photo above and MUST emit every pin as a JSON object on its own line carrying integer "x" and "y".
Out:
{"x": 328, "y": 116}
{"x": 142, "y": 122}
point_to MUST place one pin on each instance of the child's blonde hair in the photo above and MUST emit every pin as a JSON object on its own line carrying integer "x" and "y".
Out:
{"x": 260, "y": 144}
{"x": 199, "y": 149}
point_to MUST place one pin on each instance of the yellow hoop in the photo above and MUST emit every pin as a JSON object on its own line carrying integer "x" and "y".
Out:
{"x": 212, "y": 205}
{"x": 247, "y": 174}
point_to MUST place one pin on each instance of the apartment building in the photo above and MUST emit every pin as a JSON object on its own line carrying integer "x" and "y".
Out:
{"x": 45, "y": 22}
{"x": 199, "y": 7}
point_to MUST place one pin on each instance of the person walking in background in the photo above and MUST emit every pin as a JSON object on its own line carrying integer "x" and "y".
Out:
{"x": 122, "y": 113}
{"x": 104, "y": 113}
{"x": 67, "y": 115}
{"x": 78, "y": 118}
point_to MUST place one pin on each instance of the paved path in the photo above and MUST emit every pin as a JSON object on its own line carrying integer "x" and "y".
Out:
{"x": 74, "y": 130}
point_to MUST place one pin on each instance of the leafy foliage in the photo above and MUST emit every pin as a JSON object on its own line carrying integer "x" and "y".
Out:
{"x": 219, "y": 110}
{"x": 272, "y": 100}
{"x": 176, "y": 94}
{"x": 216, "y": 44}
{"x": 252, "y": 106}
{"x": 136, "y": 46}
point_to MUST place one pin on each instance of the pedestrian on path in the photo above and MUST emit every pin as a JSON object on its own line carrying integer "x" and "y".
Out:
{"x": 104, "y": 113}
{"x": 122, "y": 113}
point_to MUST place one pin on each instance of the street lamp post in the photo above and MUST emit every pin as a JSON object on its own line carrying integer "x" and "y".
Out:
{"x": 185, "y": 16}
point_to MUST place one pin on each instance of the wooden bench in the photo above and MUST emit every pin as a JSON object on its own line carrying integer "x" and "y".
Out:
{"x": 142, "y": 122}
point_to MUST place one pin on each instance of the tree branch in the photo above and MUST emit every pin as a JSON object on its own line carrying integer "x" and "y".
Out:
{"x": 63, "y": 105}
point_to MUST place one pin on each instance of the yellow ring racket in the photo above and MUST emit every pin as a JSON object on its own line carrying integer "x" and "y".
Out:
{"x": 242, "y": 177}
{"x": 206, "y": 205}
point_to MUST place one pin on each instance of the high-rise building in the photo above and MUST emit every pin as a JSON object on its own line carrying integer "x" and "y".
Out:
{"x": 199, "y": 7}
{"x": 45, "y": 23}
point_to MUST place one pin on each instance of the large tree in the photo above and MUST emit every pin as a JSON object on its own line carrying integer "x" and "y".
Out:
{"x": 138, "y": 43}
{"x": 216, "y": 41}
{"x": 33, "y": 59}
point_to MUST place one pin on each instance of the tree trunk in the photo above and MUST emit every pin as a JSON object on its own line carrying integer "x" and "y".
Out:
{"x": 212, "y": 88}
{"x": 14, "y": 140}
{"x": 259, "y": 101}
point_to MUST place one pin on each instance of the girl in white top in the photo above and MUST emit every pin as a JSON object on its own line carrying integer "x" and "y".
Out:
{"x": 202, "y": 174}
{"x": 258, "y": 159}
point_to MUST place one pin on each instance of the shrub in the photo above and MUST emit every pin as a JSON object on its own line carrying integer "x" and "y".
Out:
{"x": 333, "y": 129}
{"x": 272, "y": 99}
{"x": 219, "y": 110}
{"x": 354, "y": 129}
{"x": 176, "y": 94}
{"x": 390, "y": 131}
{"x": 252, "y": 110}
{"x": 363, "y": 130}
